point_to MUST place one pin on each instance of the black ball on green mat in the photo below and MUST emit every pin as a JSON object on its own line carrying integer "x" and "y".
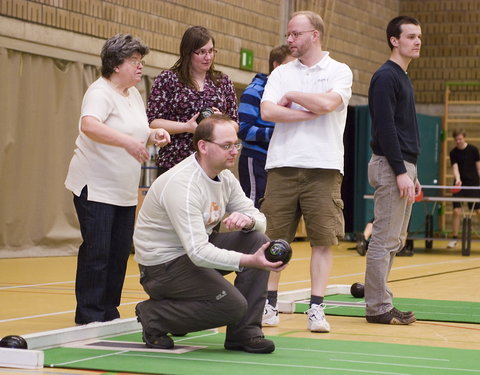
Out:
{"x": 357, "y": 290}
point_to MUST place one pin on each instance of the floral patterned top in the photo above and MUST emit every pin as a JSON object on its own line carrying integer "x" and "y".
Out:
{"x": 172, "y": 100}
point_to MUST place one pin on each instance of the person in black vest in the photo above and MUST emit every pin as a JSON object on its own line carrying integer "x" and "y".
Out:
{"x": 465, "y": 161}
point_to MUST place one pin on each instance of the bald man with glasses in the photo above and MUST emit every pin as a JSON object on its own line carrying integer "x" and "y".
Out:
{"x": 183, "y": 258}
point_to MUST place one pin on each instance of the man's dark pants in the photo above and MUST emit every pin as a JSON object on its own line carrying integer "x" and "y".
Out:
{"x": 186, "y": 298}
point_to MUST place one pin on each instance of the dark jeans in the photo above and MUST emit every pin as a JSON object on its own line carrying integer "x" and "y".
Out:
{"x": 253, "y": 177}
{"x": 186, "y": 298}
{"x": 107, "y": 232}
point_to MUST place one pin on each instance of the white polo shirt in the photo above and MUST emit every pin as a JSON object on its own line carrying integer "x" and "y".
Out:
{"x": 111, "y": 173}
{"x": 316, "y": 143}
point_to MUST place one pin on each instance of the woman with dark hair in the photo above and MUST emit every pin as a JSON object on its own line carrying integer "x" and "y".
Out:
{"x": 179, "y": 94}
{"x": 104, "y": 174}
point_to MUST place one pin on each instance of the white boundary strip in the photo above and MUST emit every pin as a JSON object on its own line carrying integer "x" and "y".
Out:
{"x": 34, "y": 359}
{"x": 21, "y": 358}
{"x": 49, "y": 339}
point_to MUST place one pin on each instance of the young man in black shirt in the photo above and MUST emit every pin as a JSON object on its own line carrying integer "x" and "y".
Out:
{"x": 392, "y": 169}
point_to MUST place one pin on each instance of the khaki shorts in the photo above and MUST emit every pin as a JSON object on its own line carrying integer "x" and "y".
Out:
{"x": 313, "y": 193}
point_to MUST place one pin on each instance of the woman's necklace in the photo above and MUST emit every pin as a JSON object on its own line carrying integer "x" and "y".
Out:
{"x": 117, "y": 88}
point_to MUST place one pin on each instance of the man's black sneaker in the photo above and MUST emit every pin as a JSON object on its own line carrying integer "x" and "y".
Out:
{"x": 391, "y": 317}
{"x": 402, "y": 314}
{"x": 257, "y": 344}
{"x": 158, "y": 342}
{"x": 161, "y": 341}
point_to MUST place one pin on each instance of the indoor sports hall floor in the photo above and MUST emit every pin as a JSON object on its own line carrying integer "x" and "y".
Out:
{"x": 37, "y": 294}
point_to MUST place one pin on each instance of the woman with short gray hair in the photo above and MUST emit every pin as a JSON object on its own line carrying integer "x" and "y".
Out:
{"x": 119, "y": 48}
{"x": 104, "y": 173}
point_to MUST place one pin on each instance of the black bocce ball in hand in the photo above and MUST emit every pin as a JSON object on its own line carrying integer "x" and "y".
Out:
{"x": 357, "y": 290}
{"x": 204, "y": 113}
{"x": 278, "y": 250}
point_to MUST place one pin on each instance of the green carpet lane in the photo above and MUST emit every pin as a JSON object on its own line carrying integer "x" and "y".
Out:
{"x": 432, "y": 310}
{"x": 292, "y": 356}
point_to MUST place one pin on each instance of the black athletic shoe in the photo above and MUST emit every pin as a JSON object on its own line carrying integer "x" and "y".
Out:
{"x": 391, "y": 317}
{"x": 402, "y": 314}
{"x": 161, "y": 341}
{"x": 257, "y": 344}
{"x": 157, "y": 342}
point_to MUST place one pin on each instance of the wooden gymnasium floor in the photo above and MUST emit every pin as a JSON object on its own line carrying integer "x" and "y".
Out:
{"x": 37, "y": 294}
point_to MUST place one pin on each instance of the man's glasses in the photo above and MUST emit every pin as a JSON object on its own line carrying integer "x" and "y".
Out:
{"x": 227, "y": 146}
{"x": 296, "y": 34}
{"x": 136, "y": 62}
{"x": 204, "y": 52}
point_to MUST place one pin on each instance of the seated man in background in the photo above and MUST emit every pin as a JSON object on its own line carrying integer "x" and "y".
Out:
{"x": 182, "y": 258}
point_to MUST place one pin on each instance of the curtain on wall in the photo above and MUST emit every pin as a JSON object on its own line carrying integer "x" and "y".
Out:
{"x": 40, "y": 101}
